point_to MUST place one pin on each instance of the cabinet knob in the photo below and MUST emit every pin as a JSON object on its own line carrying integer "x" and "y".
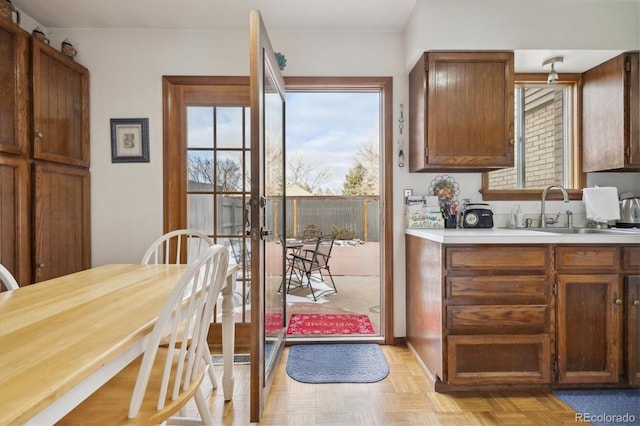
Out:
{"x": 636, "y": 302}
{"x": 39, "y": 134}
{"x": 618, "y": 301}
{"x": 40, "y": 265}
{"x": 511, "y": 141}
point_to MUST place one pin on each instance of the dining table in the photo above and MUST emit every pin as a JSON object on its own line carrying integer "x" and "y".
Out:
{"x": 62, "y": 339}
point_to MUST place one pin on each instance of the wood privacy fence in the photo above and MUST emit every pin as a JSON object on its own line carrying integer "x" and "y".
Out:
{"x": 356, "y": 215}
{"x": 359, "y": 215}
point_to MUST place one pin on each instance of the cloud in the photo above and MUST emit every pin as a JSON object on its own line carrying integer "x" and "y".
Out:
{"x": 329, "y": 127}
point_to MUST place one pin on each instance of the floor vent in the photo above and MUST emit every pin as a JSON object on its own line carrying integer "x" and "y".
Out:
{"x": 237, "y": 359}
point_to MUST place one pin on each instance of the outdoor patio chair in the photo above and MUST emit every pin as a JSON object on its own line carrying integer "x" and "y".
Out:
{"x": 310, "y": 234}
{"x": 308, "y": 264}
{"x": 241, "y": 253}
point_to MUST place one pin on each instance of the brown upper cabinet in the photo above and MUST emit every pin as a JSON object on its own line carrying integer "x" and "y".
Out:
{"x": 14, "y": 88}
{"x": 610, "y": 115}
{"x": 60, "y": 107}
{"x": 461, "y": 112}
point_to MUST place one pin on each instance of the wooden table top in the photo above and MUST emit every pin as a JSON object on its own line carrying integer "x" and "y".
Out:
{"x": 55, "y": 333}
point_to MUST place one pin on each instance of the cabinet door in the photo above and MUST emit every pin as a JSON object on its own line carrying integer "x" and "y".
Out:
{"x": 14, "y": 90}
{"x": 589, "y": 302}
{"x": 60, "y": 107}
{"x": 633, "y": 93}
{"x": 470, "y": 110}
{"x": 633, "y": 330}
{"x": 14, "y": 218}
{"x": 504, "y": 359}
{"x": 61, "y": 220}
{"x": 610, "y": 139}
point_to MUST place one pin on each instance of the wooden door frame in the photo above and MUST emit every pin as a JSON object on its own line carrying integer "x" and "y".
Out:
{"x": 175, "y": 188}
{"x": 385, "y": 86}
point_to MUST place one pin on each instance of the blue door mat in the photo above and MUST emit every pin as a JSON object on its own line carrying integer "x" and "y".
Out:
{"x": 337, "y": 363}
{"x": 603, "y": 406}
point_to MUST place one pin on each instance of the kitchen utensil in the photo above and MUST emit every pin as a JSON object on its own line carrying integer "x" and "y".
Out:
{"x": 630, "y": 210}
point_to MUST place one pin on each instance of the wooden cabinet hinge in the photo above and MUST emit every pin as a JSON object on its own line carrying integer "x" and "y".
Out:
{"x": 627, "y": 65}
{"x": 554, "y": 289}
{"x": 627, "y": 151}
{"x": 554, "y": 366}
{"x": 426, "y": 153}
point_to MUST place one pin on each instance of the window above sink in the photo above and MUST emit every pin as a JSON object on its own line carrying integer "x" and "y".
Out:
{"x": 547, "y": 141}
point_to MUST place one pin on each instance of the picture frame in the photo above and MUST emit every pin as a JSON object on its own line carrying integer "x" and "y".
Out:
{"x": 129, "y": 140}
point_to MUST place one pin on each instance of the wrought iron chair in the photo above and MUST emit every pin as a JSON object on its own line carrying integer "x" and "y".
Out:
{"x": 241, "y": 253}
{"x": 313, "y": 261}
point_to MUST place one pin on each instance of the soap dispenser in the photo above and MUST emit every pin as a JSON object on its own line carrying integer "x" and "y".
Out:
{"x": 519, "y": 218}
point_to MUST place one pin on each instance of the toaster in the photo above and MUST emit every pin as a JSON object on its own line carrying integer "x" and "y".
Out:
{"x": 477, "y": 215}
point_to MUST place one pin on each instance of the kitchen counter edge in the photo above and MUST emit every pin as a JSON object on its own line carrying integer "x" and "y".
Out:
{"x": 516, "y": 236}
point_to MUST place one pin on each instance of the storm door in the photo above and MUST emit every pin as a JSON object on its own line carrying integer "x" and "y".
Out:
{"x": 267, "y": 206}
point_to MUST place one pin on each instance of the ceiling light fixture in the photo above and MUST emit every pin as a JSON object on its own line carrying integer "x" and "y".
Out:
{"x": 553, "y": 75}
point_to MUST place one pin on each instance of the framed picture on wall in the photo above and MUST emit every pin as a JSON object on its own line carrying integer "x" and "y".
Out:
{"x": 129, "y": 140}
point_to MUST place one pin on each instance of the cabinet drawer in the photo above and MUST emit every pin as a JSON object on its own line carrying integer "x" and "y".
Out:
{"x": 586, "y": 258}
{"x": 533, "y": 287}
{"x": 497, "y": 258}
{"x": 631, "y": 258}
{"x": 499, "y": 359}
{"x": 492, "y": 318}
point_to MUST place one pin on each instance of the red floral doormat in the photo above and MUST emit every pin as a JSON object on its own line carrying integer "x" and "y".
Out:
{"x": 329, "y": 324}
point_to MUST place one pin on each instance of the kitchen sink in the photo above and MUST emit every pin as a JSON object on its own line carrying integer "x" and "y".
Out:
{"x": 608, "y": 231}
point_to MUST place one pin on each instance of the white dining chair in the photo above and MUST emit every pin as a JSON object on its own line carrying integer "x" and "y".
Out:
{"x": 165, "y": 377}
{"x": 181, "y": 246}
{"x": 7, "y": 281}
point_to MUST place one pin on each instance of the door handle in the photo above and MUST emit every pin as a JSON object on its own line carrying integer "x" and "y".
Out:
{"x": 265, "y": 233}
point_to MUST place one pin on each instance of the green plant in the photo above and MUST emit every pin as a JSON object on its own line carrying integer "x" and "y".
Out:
{"x": 342, "y": 233}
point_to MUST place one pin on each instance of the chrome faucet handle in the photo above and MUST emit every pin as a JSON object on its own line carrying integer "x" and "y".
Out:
{"x": 552, "y": 220}
{"x": 569, "y": 218}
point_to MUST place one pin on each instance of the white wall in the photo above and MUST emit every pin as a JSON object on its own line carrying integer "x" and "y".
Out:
{"x": 127, "y": 67}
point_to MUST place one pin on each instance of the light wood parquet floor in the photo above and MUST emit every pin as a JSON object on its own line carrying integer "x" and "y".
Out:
{"x": 404, "y": 397}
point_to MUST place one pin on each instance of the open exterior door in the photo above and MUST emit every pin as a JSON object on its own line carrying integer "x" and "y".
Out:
{"x": 267, "y": 214}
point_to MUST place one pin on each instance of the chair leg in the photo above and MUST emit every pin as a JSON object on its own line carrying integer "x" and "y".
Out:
{"x": 203, "y": 408}
{"x": 332, "y": 282}
{"x": 209, "y": 361}
{"x": 322, "y": 293}
{"x": 313, "y": 293}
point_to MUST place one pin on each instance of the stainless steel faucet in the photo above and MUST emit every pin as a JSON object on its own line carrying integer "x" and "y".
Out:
{"x": 543, "y": 217}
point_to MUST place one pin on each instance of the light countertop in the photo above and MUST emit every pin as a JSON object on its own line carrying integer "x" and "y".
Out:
{"x": 519, "y": 236}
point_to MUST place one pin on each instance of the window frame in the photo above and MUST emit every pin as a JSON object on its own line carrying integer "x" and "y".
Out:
{"x": 578, "y": 177}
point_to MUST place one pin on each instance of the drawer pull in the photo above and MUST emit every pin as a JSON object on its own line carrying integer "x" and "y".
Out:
{"x": 618, "y": 301}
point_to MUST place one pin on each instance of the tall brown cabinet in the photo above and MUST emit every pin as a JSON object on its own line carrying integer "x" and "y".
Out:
{"x": 44, "y": 159}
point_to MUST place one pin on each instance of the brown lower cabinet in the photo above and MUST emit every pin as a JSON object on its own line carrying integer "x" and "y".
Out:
{"x": 523, "y": 316}
{"x": 633, "y": 330}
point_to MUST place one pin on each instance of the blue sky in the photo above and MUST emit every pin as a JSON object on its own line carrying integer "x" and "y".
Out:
{"x": 328, "y": 128}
